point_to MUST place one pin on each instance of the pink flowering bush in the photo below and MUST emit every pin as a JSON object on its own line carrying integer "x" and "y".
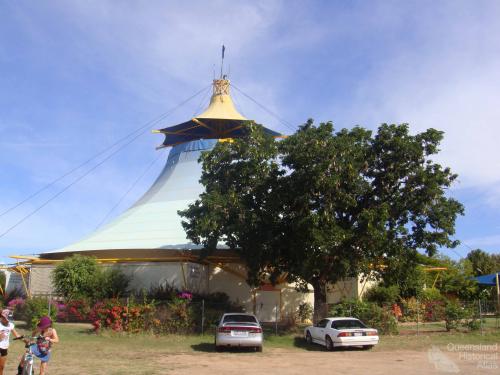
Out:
{"x": 16, "y": 303}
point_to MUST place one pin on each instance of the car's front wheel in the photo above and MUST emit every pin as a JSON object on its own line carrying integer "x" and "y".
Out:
{"x": 328, "y": 343}
{"x": 258, "y": 349}
{"x": 367, "y": 347}
{"x": 309, "y": 338}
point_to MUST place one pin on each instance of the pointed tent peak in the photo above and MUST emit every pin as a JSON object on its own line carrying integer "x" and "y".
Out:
{"x": 220, "y": 120}
{"x": 221, "y": 105}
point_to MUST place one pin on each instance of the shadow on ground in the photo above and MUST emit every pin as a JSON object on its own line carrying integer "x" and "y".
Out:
{"x": 300, "y": 343}
{"x": 206, "y": 347}
{"x": 209, "y": 347}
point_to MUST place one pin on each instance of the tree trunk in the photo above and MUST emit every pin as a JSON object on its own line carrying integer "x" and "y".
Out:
{"x": 320, "y": 306}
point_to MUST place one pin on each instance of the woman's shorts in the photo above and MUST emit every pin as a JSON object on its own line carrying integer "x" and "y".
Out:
{"x": 3, "y": 352}
{"x": 43, "y": 357}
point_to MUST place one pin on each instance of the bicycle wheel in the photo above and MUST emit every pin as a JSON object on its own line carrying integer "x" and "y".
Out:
{"x": 28, "y": 369}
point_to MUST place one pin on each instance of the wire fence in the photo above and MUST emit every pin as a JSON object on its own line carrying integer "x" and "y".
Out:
{"x": 415, "y": 317}
{"x": 409, "y": 317}
{"x": 183, "y": 315}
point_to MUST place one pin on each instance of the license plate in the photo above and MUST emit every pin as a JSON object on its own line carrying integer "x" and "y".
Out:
{"x": 240, "y": 333}
{"x": 358, "y": 333}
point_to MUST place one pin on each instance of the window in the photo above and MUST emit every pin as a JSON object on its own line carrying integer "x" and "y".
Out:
{"x": 240, "y": 319}
{"x": 322, "y": 323}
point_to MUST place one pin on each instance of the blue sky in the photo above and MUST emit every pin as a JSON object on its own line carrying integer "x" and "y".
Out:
{"x": 76, "y": 76}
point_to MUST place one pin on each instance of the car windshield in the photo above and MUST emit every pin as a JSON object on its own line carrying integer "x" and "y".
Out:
{"x": 239, "y": 319}
{"x": 347, "y": 324}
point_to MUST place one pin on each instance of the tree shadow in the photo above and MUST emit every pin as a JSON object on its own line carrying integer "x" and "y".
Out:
{"x": 300, "y": 342}
{"x": 208, "y": 347}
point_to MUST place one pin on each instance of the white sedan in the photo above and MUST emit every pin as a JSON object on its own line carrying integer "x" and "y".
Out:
{"x": 337, "y": 332}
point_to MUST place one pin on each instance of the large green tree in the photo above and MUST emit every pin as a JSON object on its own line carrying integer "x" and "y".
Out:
{"x": 483, "y": 263}
{"x": 321, "y": 206}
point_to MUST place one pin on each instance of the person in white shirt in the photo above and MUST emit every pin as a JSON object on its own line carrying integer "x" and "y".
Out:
{"x": 6, "y": 327}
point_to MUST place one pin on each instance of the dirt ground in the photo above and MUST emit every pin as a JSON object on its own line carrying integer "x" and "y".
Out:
{"x": 290, "y": 362}
{"x": 277, "y": 361}
{"x": 84, "y": 353}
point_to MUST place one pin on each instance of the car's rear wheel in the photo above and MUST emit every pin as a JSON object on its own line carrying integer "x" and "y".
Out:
{"x": 258, "y": 349}
{"x": 217, "y": 347}
{"x": 309, "y": 338}
{"x": 367, "y": 347}
{"x": 328, "y": 343}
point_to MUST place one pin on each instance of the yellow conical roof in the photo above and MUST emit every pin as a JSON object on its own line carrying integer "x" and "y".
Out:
{"x": 221, "y": 105}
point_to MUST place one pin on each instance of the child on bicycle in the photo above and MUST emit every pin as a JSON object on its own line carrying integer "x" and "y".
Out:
{"x": 46, "y": 336}
{"x": 6, "y": 327}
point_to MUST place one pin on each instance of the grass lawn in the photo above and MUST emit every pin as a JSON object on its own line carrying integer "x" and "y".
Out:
{"x": 488, "y": 323}
{"x": 111, "y": 353}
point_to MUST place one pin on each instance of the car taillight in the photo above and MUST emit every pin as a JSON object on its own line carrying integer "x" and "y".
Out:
{"x": 256, "y": 330}
{"x": 224, "y": 329}
{"x": 372, "y": 333}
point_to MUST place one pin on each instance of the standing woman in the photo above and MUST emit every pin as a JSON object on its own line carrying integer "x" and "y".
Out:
{"x": 6, "y": 327}
{"x": 45, "y": 337}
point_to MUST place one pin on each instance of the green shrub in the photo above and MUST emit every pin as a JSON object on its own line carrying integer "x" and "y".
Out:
{"x": 76, "y": 277}
{"x": 35, "y": 308}
{"x": 382, "y": 295}
{"x": 370, "y": 313}
{"x": 80, "y": 277}
{"x": 457, "y": 315}
{"x": 111, "y": 283}
{"x": 473, "y": 324}
{"x": 431, "y": 294}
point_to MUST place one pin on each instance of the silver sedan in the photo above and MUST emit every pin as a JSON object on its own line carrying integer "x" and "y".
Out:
{"x": 238, "y": 330}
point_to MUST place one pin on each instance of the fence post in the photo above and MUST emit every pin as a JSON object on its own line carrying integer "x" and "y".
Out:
{"x": 480, "y": 317}
{"x": 128, "y": 309}
{"x": 50, "y": 303}
{"x": 418, "y": 314}
{"x": 202, "y": 316}
{"x": 276, "y": 320}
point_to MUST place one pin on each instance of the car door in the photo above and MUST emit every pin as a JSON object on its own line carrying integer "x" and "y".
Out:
{"x": 319, "y": 330}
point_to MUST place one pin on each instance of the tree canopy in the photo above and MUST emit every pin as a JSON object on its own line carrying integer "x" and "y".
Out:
{"x": 483, "y": 263}
{"x": 321, "y": 206}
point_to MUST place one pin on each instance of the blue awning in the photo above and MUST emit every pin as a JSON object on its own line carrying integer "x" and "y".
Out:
{"x": 487, "y": 279}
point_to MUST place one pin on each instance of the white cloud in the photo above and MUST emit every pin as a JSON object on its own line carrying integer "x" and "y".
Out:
{"x": 449, "y": 80}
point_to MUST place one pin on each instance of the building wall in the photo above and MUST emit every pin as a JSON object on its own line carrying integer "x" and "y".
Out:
{"x": 14, "y": 281}
{"x": 40, "y": 280}
{"x": 268, "y": 303}
{"x": 351, "y": 288}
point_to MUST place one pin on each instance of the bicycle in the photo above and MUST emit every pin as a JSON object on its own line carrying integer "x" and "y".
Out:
{"x": 28, "y": 355}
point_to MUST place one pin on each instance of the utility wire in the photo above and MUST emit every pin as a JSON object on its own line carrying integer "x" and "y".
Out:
{"x": 128, "y": 190}
{"x": 142, "y": 130}
{"x": 202, "y": 100}
{"x": 70, "y": 185}
{"x": 282, "y": 120}
{"x": 237, "y": 103}
{"x": 71, "y": 171}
